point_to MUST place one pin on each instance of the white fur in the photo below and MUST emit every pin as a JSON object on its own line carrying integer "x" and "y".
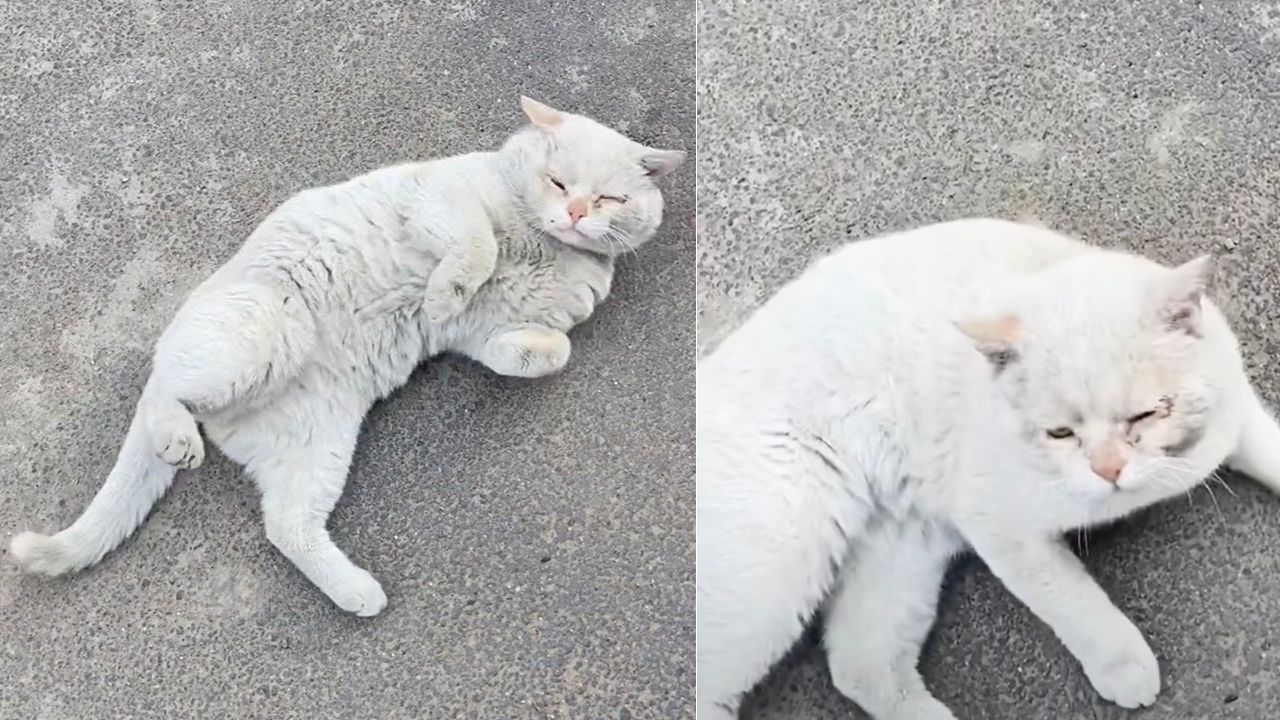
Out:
{"x": 852, "y": 438}
{"x": 331, "y": 303}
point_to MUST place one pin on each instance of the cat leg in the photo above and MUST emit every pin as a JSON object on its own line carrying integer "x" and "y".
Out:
{"x": 877, "y": 621}
{"x": 528, "y": 351}
{"x": 1051, "y": 581}
{"x": 170, "y": 426}
{"x": 467, "y": 263}
{"x": 301, "y": 478}
{"x": 776, "y": 510}
{"x": 1258, "y": 452}
{"x": 223, "y": 347}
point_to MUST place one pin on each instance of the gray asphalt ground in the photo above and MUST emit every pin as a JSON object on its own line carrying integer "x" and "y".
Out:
{"x": 535, "y": 538}
{"x": 1153, "y": 126}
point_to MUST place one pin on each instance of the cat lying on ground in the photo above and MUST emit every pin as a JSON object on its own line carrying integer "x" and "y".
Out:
{"x": 970, "y": 385}
{"x": 339, "y": 294}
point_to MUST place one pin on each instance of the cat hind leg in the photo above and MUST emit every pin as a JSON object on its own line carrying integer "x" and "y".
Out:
{"x": 774, "y": 517}
{"x": 1257, "y": 453}
{"x": 224, "y": 347}
{"x": 171, "y": 429}
{"x": 301, "y": 483}
{"x": 878, "y": 619}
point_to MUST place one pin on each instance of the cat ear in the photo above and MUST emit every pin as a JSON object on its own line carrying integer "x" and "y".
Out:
{"x": 995, "y": 337}
{"x": 1180, "y": 294}
{"x": 660, "y": 162}
{"x": 543, "y": 116}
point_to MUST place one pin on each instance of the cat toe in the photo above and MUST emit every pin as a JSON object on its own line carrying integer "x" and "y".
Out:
{"x": 182, "y": 448}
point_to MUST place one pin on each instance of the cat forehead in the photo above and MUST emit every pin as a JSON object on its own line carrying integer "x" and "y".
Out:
{"x": 585, "y": 131}
{"x": 594, "y": 151}
{"x": 1101, "y": 378}
{"x": 596, "y": 170}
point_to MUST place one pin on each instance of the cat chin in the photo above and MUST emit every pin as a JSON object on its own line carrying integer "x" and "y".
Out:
{"x": 581, "y": 241}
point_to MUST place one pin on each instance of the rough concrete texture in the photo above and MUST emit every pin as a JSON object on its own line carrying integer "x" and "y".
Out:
{"x": 1146, "y": 125}
{"x": 535, "y": 538}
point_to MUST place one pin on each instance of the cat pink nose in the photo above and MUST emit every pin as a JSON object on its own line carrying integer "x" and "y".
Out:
{"x": 1108, "y": 471}
{"x": 577, "y": 210}
{"x": 1108, "y": 462}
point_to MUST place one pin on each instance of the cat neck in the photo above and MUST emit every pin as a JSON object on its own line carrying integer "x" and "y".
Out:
{"x": 522, "y": 245}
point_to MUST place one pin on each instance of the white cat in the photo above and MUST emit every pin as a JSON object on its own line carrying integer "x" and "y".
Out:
{"x": 339, "y": 294}
{"x": 970, "y": 385}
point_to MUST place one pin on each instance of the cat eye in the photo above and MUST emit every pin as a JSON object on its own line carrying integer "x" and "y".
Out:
{"x": 551, "y": 179}
{"x": 620, "y": 199}
{"x": 1141, "y": 416}
{"x": 1061, "y": 433}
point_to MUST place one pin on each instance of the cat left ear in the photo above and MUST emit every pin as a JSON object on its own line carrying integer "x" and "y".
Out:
{"x": 1181, "y": 293}
{"x": 995, "y": 337}
{"x": 543, "y": 116}
{"x": 660, "y": 162}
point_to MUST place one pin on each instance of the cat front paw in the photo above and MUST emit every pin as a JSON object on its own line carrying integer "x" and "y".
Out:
{"x": 1127, "y": 674}
{"x": 527, "y": 352}
{"x": 445, "y": 300}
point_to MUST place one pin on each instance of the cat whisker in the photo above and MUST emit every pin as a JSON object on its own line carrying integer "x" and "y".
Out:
{"x": 1226, "y": 486}
{"x": 1216, "y": 476}
{"x": 1221, "y": 518}
{"x": 623, "y": 238}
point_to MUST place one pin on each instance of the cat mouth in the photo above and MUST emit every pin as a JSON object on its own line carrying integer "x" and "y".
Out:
{"x": 580, "y": 241}
{"x": 576, "y": 238}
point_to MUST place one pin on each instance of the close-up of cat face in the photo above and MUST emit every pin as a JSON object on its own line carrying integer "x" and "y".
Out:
{"x": 590, "y": 187}
{"x": 1110, "y": 383}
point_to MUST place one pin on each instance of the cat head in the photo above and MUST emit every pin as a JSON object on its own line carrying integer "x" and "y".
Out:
{"x": 586, "y": 185}
{"x": 1109, "y": 363}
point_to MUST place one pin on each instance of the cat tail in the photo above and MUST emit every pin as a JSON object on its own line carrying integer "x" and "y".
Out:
{"x": 136, "y": 482}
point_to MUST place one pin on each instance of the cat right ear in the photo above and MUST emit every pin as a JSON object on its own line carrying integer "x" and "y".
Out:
{"x": 660, "y": 162}
{"x": 1180, "y": 294}
{"x": 995, "y": 337}
{"x": 542, "y": 116}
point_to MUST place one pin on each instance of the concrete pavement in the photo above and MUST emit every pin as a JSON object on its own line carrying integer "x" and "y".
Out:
{"x": 535, "y": 538}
